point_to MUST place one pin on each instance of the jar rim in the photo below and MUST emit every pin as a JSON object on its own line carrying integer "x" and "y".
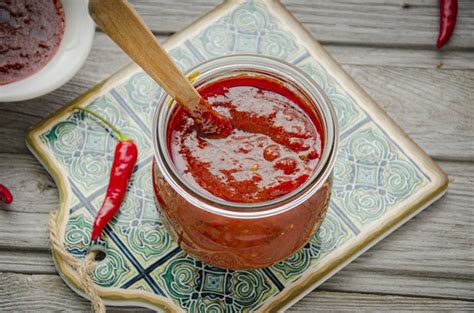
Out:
{"x": 257, "y": 64}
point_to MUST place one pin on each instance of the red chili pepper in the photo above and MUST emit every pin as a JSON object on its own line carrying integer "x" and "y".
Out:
{"x": 448, "y": 12}
{"x": 5, "y": 195}
{"x": 125, "y": 157}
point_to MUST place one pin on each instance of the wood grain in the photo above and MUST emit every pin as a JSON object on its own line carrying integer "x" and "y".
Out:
{"x": 391, "y": 23}
{"x": 34, "y": 190}
{"x": 434, "y": 107}
{"x": 424, "y": 101}
{"x": 402, "y": 57}
{"x": 119, "y": 20}
{"x": 388, "y": 46}
{"x": 26, "y": 262}
{"x": 439, "y": 263}
{"x": 45, "y": 293}
{"x": 324, "y": 301}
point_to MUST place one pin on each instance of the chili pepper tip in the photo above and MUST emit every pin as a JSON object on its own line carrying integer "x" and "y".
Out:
{"x": 5, "y": 195}
{"x": 121, "y": 135}
{"x": 448, "y": 10}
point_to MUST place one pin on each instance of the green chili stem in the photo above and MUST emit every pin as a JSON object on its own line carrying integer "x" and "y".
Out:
{"x": 115, "y": 129}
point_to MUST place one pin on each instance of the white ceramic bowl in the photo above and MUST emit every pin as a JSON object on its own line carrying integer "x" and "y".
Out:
{"x": 71, "y": 55}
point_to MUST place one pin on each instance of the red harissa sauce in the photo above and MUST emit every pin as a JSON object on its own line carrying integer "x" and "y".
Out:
{"x": 30, "y": 34}
{"x": 275, "y": 144}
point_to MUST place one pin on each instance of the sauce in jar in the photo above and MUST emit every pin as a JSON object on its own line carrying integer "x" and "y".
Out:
{"x": 254, "y": 197}
{"x": 30, "y": 34}
{"x": 275, "y": 144}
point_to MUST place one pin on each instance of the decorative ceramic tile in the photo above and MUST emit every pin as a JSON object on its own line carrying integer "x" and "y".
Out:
{"x": 139, "y": 92}
{"x": 85, "y": 150}
{"x": 140, "y": 285}
{"x": 349, "y": 114}
{"x": 198, "y": 287}
{"x": 248, "y": 28}
{"x": 332, "y": 233}
{"x": 381, "y": 178}
{"x": 372, "y": 175}
{"x": 114, "y": 270}
{"x": 74, "y": 202}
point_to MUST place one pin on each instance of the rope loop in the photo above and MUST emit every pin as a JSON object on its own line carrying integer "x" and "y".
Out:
{"x": 84, "y": 268}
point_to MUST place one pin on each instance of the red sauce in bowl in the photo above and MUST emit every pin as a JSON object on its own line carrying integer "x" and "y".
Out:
{"x": 275, "y": 144}
{"x": 30, "y": 34}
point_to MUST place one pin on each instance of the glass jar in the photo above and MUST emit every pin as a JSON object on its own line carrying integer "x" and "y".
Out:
{"x": 244, "y": 235}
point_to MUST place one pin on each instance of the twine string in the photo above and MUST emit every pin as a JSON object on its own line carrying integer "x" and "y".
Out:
{"x": 84, "y": 268}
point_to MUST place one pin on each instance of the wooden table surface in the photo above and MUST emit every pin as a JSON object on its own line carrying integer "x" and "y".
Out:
{"x": 388, "y": 47}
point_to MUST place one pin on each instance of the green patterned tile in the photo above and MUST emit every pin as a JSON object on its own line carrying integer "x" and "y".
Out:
{"x": 139, "y": 204}
{"x": 146, "y": 242}
{"x": 141, "y": 93}
{"x": 114, "y": 270}
{"x": 332, "y": 233}
{"x": 74, "y": 201}
{"x": 347, "y": 111}
{"x": 85, "y": 148}
{"x": 141, "y": 285}
{"x": 138, "y": 223}
{"x": 184, "y": 58}
{"x": 78, "y": 230}
{"x": 372, "y": 175}
{"x": 248, "y": 29}
{"x": 197, "y": 287}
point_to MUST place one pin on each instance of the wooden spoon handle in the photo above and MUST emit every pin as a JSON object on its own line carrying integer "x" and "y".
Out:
{"x": 122, "y": 23}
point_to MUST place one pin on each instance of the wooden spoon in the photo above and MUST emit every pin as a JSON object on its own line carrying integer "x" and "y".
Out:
{"x": 121, "y": 22}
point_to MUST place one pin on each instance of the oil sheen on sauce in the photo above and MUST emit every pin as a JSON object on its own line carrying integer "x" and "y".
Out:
{"x": 274, "y": 147}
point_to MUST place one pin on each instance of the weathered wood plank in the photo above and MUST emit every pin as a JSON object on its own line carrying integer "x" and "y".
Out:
{"x": 407, "y": 284}
{"x": 398, "y": 23}
{"x": 45, "y": 293}
{"x": 39, "y": 188}
{"x": 432, "y": 253}
{"x": 402, "y": 57}
{"x": 23, "y": 230}
{"x": 35, "y": 196}
{"x": 33, "y": 188}
{"x": 359, "y": 276}
{"x": 41, "y": 293}
{"x": 434, "y": 106}
{"x": 358, "y": 302}
{"x": 344, "y": 54}
{"x": 389, "y": 49}
{"x": 27, "y": 262}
